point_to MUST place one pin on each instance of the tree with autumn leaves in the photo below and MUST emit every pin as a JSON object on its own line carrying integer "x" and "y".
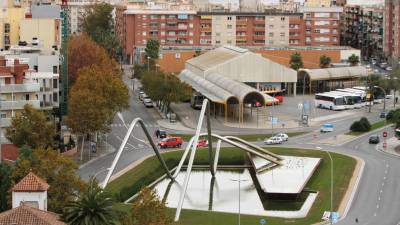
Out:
{"x": 97, "y": 92}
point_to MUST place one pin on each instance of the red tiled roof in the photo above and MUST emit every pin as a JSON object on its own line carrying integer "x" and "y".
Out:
{"x": 25, "y": 215}
{"x": 31, "y": 183}
{"x": 9, "y": 152}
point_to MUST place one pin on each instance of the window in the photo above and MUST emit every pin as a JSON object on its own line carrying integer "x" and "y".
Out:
{"x": 217, "y": 34}
{"x": 229, "y": 18}
{"x": 229, "y": 26}
{"x": 229, "y": 41}
{"x": 33, "y": 204}
{"x": 144, "y": 33}
{"x": 217, "y": 42}
{"x": 282, "y": 18}
{"x": 271, "y": 26}
{"x": 3, "y": 115}
{"x": 271, "y": 34}
{"x": 6, "y": 28}
{"x": 55, "y": 83}
{"x": 271, "y": 42}
{"x": 282, "y": 34}
{"x": 177, "y": 55}
{"x": 55, "y": 97}
{"x": 55, "y": 69}
{"x": 35, "y": 67}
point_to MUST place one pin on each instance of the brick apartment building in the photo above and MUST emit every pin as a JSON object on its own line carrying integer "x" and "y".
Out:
{"x": 362, "y": 28}
{"x": 392, "y": 28}
{"x": 188, "y": 28}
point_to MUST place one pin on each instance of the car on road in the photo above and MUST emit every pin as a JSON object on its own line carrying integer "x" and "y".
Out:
{"x": 142, "y": 95}
{"x": 161, "y": 133}
{"x": 202, "y": 143}
{"x": 383, "y": 114}
{"x": 273, "y": 141}
{"x": 374, "y": 139}
{"x": 326, "y": 128}
{"x": 171, "y": 142}
{"x": 284, "y": 136}
{"x": 148, "y": 102}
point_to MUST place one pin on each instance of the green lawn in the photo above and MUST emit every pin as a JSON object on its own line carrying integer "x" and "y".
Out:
{"x": 343, "y": 169}
{"x": 374, "y": 126}
{"x": 246, "y": 137}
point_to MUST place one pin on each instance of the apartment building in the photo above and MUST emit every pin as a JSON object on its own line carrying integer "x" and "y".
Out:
{"x": 206, "y": 29}
{"x": 392, "y": 28}
{"x": 362, "y": 28}
{"x": 76, "y": 11}
{"x": 46, "y": 31}
{"x": 10, "y": 18}
{"x": 322, "y": 26}
{"x": 318, "y": 3}
{"x": 15, "y": 92}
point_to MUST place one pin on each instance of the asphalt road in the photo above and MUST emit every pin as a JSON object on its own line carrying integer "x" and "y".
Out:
{"x": 376, "y": 202}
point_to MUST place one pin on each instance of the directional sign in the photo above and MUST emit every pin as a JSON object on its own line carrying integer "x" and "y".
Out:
{"x": 263, "y": 221}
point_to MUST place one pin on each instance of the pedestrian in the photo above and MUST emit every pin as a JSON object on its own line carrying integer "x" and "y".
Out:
{"x": 397, "y": 98}
{"x": 356, "y": 220}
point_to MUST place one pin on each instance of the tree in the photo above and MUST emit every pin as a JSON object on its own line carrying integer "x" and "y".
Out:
{"x": 82, "y": 52}
{"x": 152, "y": 51}
{"x": 353, "y": 60}
{"x": 296, "y": 61}
{"x": 93, "y": 207}
{"x": 5, "y": 185}
{"x": 362, "y": 125}
{"x": 147, "y": 210}
{"x": 58, "y": 171}
{"x": 96, "y": 97}
{"x": 324, "y": 61}
{"x": 98, "y": 24}
{"x": 165, "y": 88}
{"x": 31, "y": 128}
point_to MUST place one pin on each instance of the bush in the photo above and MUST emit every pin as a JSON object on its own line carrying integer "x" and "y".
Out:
{"x": 362, "y": 125}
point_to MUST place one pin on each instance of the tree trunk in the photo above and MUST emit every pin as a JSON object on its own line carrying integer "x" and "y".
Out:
{"x": 83, "y": 144}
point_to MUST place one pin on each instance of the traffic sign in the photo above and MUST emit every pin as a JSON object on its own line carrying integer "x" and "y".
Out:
{"x": 335, "y": 217}
{"x": 263, "y": 221}
{"x": 384, "y": 134}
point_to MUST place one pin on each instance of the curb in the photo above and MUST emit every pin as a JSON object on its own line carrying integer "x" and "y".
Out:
{"x": 97, "y": 157}
{"x": 365, "y": 134}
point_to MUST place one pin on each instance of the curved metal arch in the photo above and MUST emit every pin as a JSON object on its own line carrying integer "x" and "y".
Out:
{"x": 122, "y": 146}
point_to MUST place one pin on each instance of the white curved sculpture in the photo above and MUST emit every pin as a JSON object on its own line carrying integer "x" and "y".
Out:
{"x": 274, "y": 160}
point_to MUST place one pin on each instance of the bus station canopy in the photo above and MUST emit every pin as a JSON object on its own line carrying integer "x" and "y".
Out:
{"x": 338, "y": 73}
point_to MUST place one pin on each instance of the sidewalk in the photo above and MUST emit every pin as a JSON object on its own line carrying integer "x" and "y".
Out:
{"x": 102, "y": 148}
{"x": 392, "y": 146}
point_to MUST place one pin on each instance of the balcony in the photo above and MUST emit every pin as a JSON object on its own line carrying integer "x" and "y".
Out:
{"x": 17, "y": 88}
{"x": 13, "y": 105}
{"x": 259, "y": 28}
{"x": 259, "y": 37}
{"x": 5, "y": 122}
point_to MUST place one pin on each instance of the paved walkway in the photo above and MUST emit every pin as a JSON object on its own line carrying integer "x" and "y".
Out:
{"x": 392, "y": 146}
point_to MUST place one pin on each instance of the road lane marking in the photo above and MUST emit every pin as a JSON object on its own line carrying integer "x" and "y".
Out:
{"x": 377, "y": 206}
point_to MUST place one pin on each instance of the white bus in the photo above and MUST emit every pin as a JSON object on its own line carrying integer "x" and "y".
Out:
{"x": 362, "y": 94}
{"x": 376, "y": 100}
{"x": 353, "y": 101}
{"x": 330, "y": 101}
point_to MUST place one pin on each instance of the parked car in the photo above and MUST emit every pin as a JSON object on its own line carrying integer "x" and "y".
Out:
{"x": 141, "y": 95}
{"x": 383, "y": 114}
{"x": 284, "y": 136}
{"x": 389, "y": 68}
{"x": 161, "y": 133}
{"x": 383, "y": 65}
{"x": 374, "y": 139}
{"x": 202, "y": 143}
{"x": 148, "y": 102}
{"x": 171, "y": 142}
{"x": 273, "y": 141}
{"x": 327, "y": 128}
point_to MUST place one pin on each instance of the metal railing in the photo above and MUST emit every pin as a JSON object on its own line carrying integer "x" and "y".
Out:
{"x": 273, "y": 159}
{"x": 10, "y": 88}
{"x": 10, "y": 105}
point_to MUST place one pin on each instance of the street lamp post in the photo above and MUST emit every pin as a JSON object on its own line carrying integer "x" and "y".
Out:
{"x": 148, "y": 63}
{"x": 384, "y": 97}
{"x": 239, "y": 180}
{"x": 330, "y": 157}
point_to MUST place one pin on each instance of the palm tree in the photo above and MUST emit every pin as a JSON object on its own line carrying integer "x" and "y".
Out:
{"x": 93, "y": 207}
{"x": 324, "y": 61}
{"x": 353, "y": 60}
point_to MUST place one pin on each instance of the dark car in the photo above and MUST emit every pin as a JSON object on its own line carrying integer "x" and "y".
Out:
{"x": 374, "y": 139}
{"x": 161, "y": 133}
{"x": 383, "y": 114}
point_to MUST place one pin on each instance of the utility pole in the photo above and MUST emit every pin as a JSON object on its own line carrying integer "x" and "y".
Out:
{"x": 239, "y": 180}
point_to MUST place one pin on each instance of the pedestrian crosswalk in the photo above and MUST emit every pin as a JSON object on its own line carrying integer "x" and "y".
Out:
{"x": 137, "y": 125}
